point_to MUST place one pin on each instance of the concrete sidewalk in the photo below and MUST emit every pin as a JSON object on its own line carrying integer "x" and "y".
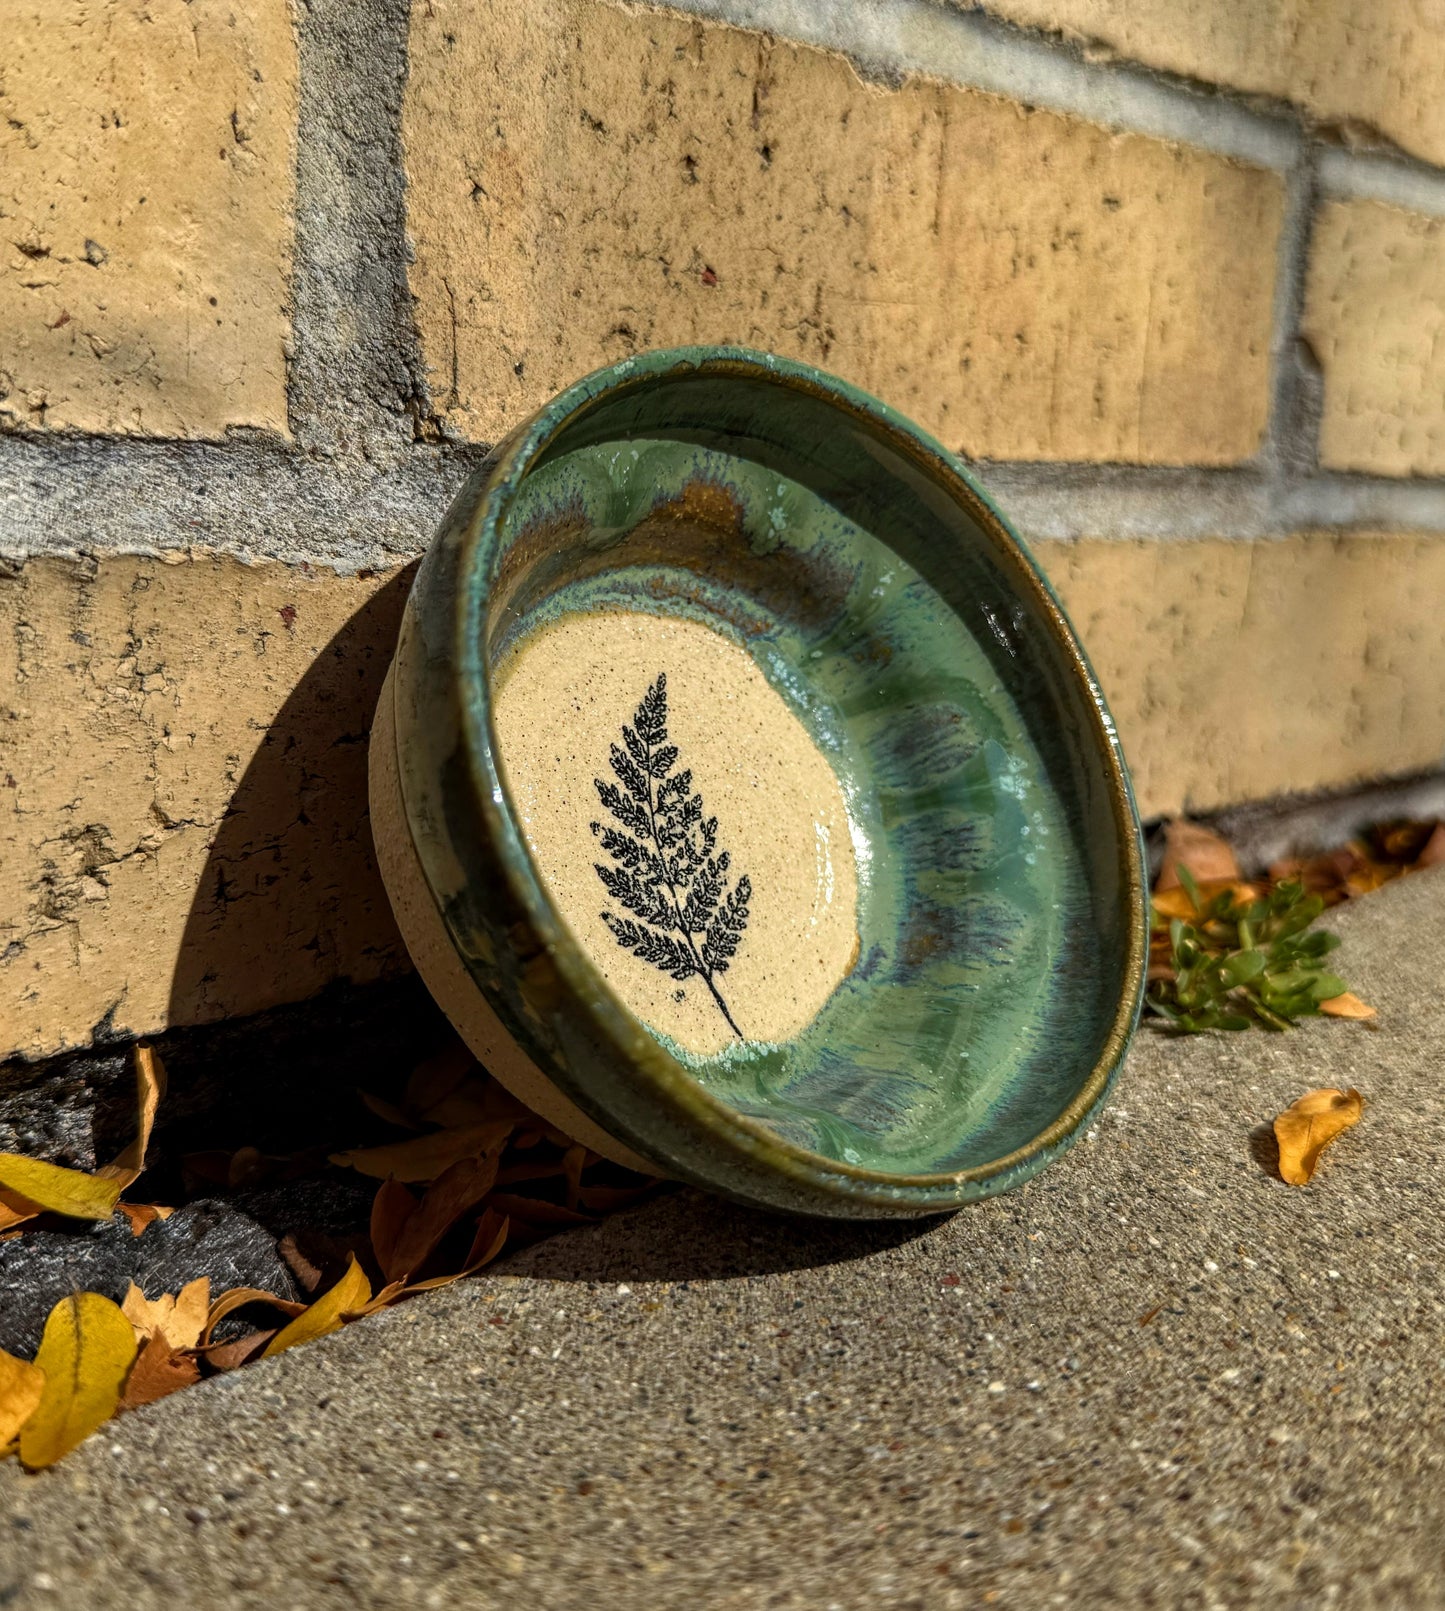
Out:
{"x": 1153, "y": 1377}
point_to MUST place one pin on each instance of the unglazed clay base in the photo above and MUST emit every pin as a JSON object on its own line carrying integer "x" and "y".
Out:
{"x": 686, "y": 826}
{"x": 436, "y": 959}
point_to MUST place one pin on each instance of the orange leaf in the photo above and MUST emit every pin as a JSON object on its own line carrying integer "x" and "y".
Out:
{"x": 351, "y": 1292}
{"x": 1206, "y": 854}
{"x": 158, "y": 1371}
{"x": 1348, "y": 1005}
{"x": 142, "y": 1214}
{"x": 1305, "y": 1128}
{"x": 426, "y": 1157}
{"x": 21, "y": 1385}
{"x": 85, "y": 1353}
{"x": 438, "y": 1077}
{"x": 178, "y": 1321}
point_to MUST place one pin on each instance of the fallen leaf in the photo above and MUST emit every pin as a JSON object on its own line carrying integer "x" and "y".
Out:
{"x": 537, "y": 1211}
{"x": 391, "y": 1208}
{"x": 351, "y": 1292}
{"x": 1208, "y": 855}
{"x": 1348, "y": 1005}
{"x": 1175, "y": 902}
{"x": 437, "y": 1077}
{"x": 238, "y": 1298}
{"x": 240, "y": 1351}
{"x": 150, "y": 1087}
{"x": 460, "y": 1188}
{"x": 85, "y": 1352}
{"x": 30, "y": 1186}
{"x": 178, "y": 1320}
{"x": 159, "y": 1370}
{"x": 21, "y": 1385}
{"x": 388, "y": 1111}
{"x": 1305, "y": 1128}
{"x": 1434, "y": 852}
{"x": 14, "y": 1210}
{"x": 51, "y": 1188}
{"x": 142, "y": 1214}
{"x": 307, "y": 1273}
{"x": 428, "y": 1156}
{"x": 486, "y": 1244}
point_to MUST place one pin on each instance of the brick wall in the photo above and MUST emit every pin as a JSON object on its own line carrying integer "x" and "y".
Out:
{"x": 271, "y": 279}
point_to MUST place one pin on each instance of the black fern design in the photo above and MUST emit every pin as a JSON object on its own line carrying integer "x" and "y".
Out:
{"x": 666, "y": 868}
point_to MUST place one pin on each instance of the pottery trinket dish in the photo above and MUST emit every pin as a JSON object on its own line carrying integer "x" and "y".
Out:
{"x": 747, "y": 802}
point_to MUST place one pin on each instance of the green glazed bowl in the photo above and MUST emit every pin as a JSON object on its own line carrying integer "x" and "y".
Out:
{"x": 998, "y": 963}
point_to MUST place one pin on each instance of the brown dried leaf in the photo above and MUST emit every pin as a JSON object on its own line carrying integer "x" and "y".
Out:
{"x": 177, "y": 1320}
{"x": 388, "y": 1111}
{"x": 426, "y": 1157}
{"x": 491, "y": 1237}
{"x": 158, "y": 1371}
{"x": 238, "y": 1298}
{"x": 460, "y": 1188}
{"x": 305, "y": 1271}
{"x": 350, "y": 1295}
{"x": 1434, "y": 852}
{"x": 142, "y": 1214}
{"x": 1348, "y": 1005}
{"x": 437, "y": 1078}
{"x": 85, "y": 1354}
{"x": 391, "y": 1208}
{"x": 536, "y": 1211}
{"x": 1306, "y": 1127}
{"x": 21, "y": 1385}
{"x": 240, "y": 1351}
{"x": 1207, "y": 855}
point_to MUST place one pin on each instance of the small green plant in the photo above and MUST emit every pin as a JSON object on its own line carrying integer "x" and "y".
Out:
{"x": 1245, "y": 963}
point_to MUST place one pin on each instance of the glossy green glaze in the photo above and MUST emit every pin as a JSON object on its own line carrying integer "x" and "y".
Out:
{"x": 1001, "y": 906}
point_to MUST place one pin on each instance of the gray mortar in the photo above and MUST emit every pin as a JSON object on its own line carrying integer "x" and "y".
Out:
{"x": 369, "y": 470}
{"x": 1154, "y": 1377}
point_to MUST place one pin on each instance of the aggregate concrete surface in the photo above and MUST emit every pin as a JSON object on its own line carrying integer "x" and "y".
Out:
{"x": 1156, "y": 1376}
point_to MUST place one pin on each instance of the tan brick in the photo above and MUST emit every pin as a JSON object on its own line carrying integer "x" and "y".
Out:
{"x": 1373, "y": 65}
{"x": 586, "y": 181}
{"x": 1375, "y": 316}
{"x": 1241, "y": 670}
{"x": 183, "y": 827}
{"x": 146, "y": 178}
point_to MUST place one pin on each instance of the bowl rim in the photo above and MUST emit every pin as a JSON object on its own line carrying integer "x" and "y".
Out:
{"x": 666, "y": 1079}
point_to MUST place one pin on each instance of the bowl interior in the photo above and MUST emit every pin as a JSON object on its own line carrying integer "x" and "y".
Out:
{"x": 884, "y": 604}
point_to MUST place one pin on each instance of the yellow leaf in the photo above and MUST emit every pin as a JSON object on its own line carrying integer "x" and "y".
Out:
{"x": 150, "y": 1087}
{"x": 1305, "y": 1128}
{"x": 1348, "y": 1005}
{"x": 428, "y": 1156}
{"x": 85, "y": 1353}
{"x": 21, "y": 1385}
{"x": 29, "y": 1186}
{"x": 351, "y": 1292}
{"x": 61, "y": 1191}
{"x": 177, "y": 1320}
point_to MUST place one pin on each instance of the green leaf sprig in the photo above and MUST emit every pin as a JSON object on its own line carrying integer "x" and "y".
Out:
{"x": 1245, "y": 963}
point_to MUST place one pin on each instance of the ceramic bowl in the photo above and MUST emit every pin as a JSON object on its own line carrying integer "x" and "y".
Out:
{"x": 748, "y": 803}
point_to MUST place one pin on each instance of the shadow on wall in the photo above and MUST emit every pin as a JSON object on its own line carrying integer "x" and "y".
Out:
{"x": 290, "y": 898}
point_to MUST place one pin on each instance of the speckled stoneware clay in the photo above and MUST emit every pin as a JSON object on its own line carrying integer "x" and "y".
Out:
{"x": 747, "y": 802}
